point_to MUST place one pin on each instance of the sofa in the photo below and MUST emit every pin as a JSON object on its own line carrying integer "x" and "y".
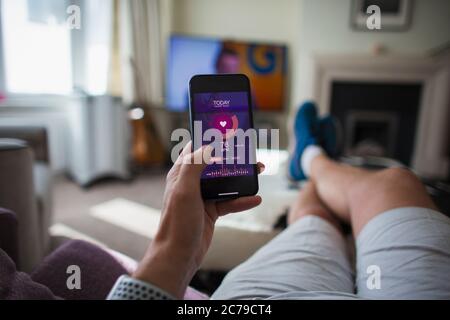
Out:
{"x": 99, "y": 269}
{"x": 25, "y": 188}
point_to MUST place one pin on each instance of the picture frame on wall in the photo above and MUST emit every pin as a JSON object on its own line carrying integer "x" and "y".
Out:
{"x": 395, "y": 14}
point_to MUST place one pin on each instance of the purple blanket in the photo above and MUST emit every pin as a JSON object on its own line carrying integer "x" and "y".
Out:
{"x": 19, "y": 285}
{"x": 99, "y": 271}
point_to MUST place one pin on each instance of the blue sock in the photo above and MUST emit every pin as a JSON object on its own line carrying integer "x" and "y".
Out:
{"x": 328, "y": 136}
{"x": 306, "y": 129}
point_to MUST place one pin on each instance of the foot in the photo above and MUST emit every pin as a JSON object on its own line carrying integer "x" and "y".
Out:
{"x": 328, "y": 136}
{"x": 306, "y": 129}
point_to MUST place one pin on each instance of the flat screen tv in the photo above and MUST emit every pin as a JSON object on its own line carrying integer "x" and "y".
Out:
{"x": 263, "y": 63}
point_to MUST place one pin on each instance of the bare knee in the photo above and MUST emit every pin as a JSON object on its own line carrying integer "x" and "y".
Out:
{"x": 390, "y": 183}
{"x": 397, "y": 176}
{"x": 385, "y": 190}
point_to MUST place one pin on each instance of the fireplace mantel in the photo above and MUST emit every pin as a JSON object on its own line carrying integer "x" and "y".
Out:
{"x": 429, "y": 157}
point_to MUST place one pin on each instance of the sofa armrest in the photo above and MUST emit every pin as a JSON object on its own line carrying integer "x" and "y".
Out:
{"x": 8, "y": 234}
{"x": 35, "y": 137}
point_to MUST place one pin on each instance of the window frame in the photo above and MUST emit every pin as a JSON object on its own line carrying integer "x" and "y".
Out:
{"x": 23, "y": 99}
{"x": 2, "y": 63}
{"x": 77, "y": 38}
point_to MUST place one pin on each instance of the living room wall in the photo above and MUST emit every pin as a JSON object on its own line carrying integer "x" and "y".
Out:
{"x": 308, "y": 27}
{"x": 253, "y": 20}
{"x": 324, "y": 28}
{"x": 260, "y": 20}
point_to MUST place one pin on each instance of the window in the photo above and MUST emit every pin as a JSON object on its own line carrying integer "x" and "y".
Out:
{"x": 36, "y": 47}
{"x": 97, "y": 24}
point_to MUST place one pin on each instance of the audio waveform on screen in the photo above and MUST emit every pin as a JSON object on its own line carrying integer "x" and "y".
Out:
{"x": 228, "y": 172}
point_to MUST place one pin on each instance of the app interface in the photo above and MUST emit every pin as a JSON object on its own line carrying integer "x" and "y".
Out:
{"x": 225, "y": 111}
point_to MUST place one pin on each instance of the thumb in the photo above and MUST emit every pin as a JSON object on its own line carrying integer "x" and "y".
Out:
{"x": 195, "y": 162}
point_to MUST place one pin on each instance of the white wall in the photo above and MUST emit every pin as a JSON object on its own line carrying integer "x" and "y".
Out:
{"x": 325, "y": 26}
{"x": 308, "y": 27}
{"x": 325, "y": 29}
{"x": 263, "y": 20}
{"x": 249, "y": 19}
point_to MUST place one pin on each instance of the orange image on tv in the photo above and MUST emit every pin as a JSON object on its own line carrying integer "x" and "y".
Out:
{"x": 265, "y": 66}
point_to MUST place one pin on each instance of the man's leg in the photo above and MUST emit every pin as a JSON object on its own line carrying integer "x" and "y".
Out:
{"x": 358, "y": 195}
{"x": 402, "y": 242}
{"x": 309, "y": 203}
{"x": 307, "y": 260}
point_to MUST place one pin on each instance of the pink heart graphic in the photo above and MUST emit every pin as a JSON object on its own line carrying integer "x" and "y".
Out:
{"x": 223, "y": 123}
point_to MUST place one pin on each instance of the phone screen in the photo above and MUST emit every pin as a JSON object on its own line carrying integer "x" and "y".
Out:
{"x": 227, "y": 112}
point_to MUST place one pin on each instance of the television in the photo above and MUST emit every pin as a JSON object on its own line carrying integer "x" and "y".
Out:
{"x": 263, "y": 63}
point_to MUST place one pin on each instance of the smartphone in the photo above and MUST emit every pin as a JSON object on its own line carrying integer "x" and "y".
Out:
{"x": 223, "y": 102}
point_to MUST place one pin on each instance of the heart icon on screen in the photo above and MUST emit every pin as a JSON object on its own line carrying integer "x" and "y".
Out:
{"x": 223, "y": 123}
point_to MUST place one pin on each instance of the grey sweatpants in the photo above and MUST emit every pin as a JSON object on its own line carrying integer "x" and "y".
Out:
{"x": 403, "y": 253}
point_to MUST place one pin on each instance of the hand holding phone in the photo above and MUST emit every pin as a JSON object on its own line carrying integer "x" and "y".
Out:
{"x": 186, "y": 228}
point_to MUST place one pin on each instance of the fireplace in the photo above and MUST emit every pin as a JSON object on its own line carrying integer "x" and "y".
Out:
{"x": 370, "y": 133}
{"x": 378, "y": 119}
{"x": 388, "y": 105}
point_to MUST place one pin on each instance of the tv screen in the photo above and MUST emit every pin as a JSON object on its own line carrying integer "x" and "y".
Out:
{"x": 264, "y": 64}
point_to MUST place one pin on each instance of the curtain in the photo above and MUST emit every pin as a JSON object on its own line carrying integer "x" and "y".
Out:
{"x": 136, "y": 72}
{"x": 146, "y": 59}
{"x": 116, "y": 75}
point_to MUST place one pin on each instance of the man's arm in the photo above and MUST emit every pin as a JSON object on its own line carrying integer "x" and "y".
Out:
{"x": 186, "y": 228}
